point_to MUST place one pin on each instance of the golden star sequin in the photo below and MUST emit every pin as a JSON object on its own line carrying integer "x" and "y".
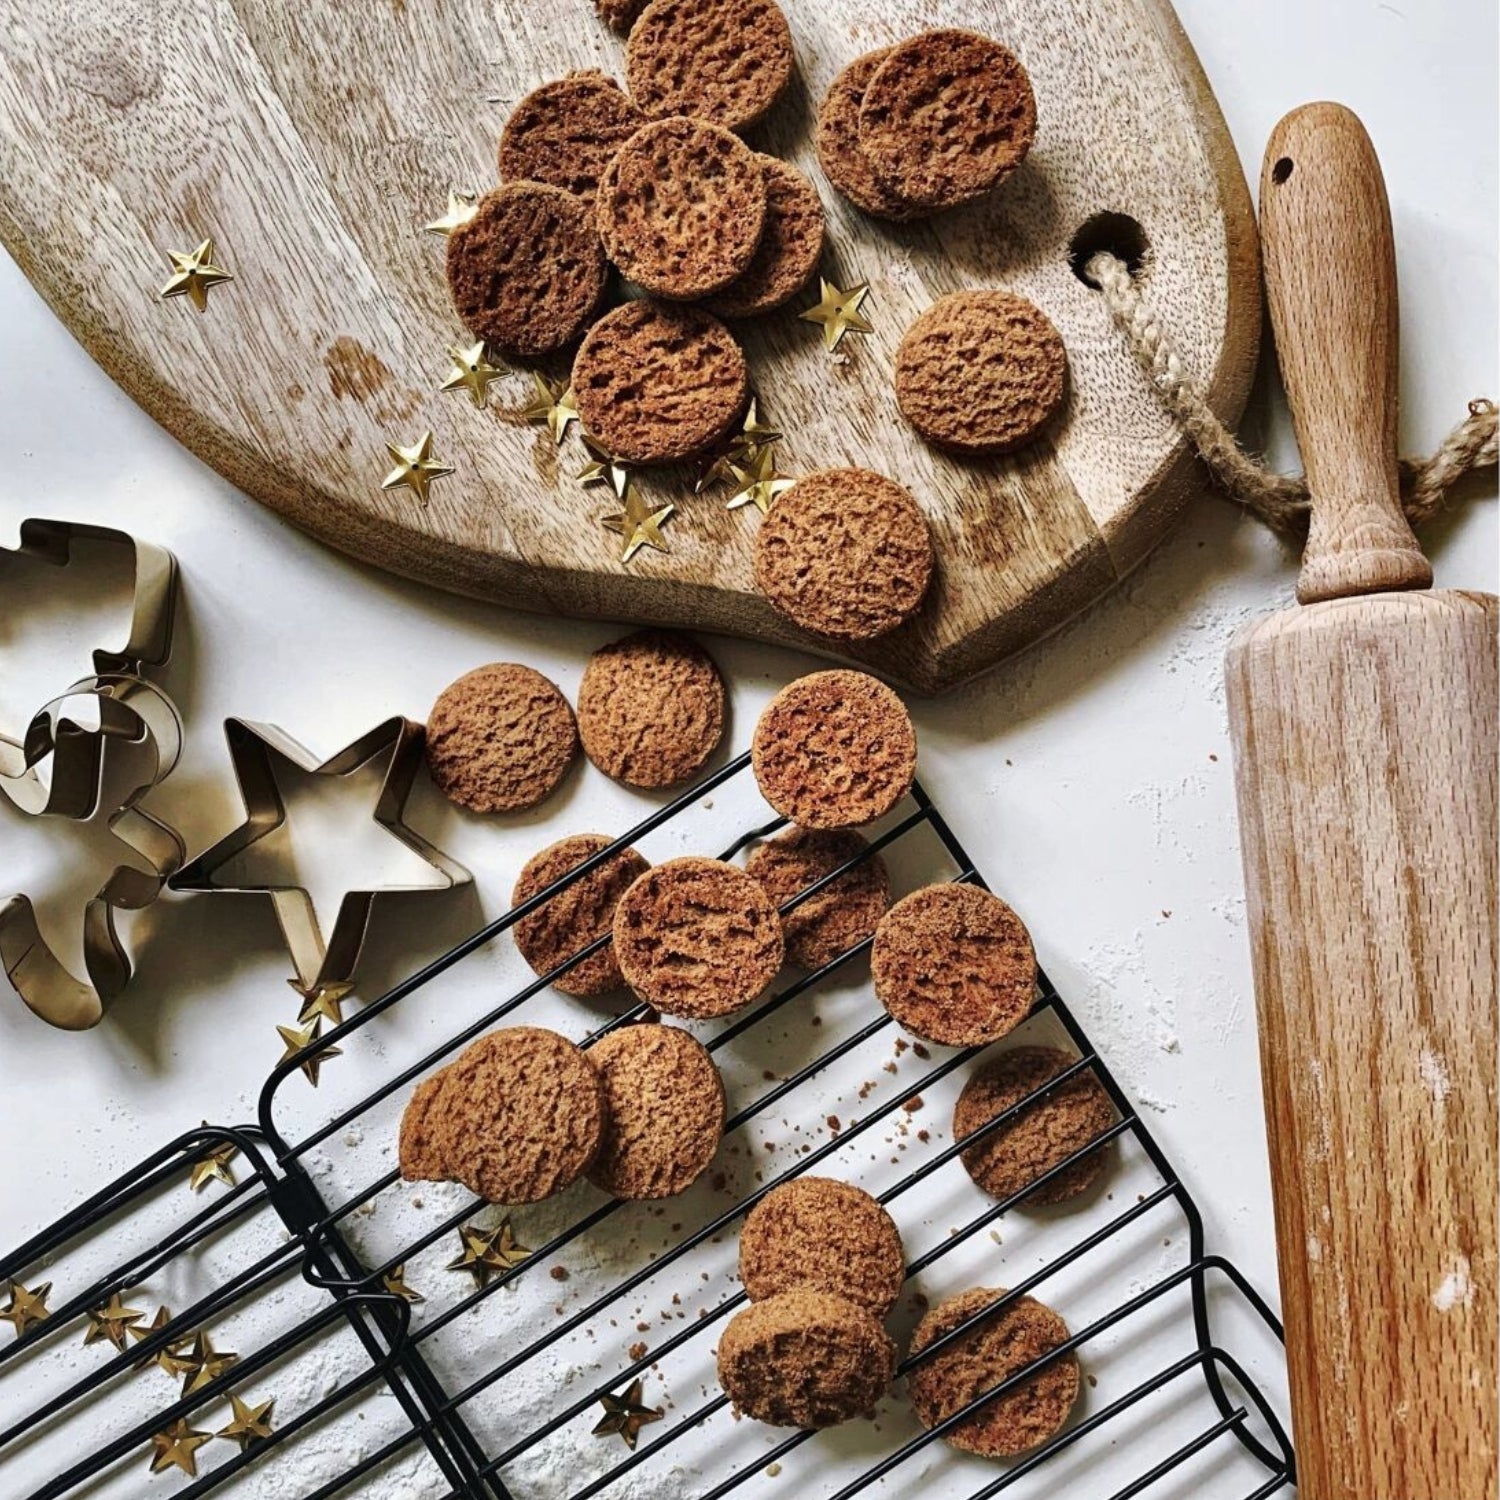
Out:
{"x": 394, "y": 1281}
{"x": 322, "y": 1001}
{"x": 759, "y": 484}
{"x": 296, "y": 1038}
{"x": 471, "y": 371}
{"x": 838, "y": 312}
{"x": 753, "y": 434}
{"x": 112, "y": 1322}
{"x": 640, "y": 527}
{"x": 205, "y": 1364}
{"x": 214, "y": 1166}
{"x": 251, "y": 1424}
{"x": 170, "y": 1357}
{"x": 175, "y": 1448}
{"x": 552, "y": 405}
{"x": 486, "y": 1251}
{"x": 602, "y": 469}
{"x": 26, "y": 1307}
{"x": 193, "y": 275}
{"x": 416, "y": 468}
{"x": 461, "y": 208}
{"x": 626, "y": 1415}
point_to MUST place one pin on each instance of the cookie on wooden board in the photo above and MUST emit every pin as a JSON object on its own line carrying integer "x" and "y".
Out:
{"x": 791, "y": 245}
{"x": 566, "y": 132}
{"x": 619, "y": 15}
{"x": 844, "y": 912}
{"x": 844, "y": 160}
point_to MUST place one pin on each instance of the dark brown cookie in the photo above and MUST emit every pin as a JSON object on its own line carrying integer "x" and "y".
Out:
{"x": 725, "y": 61}
{"x": 655, "y": 384}
{"x": 805, "y": 1358}
{"x": 527, "y": 271}
{"x": 681, "y": 207}
{"x": 697, "y": 938}
{"x": 845, "y": 553}
{"x": 834, "y": 750}
{"x": 574, "y": 917}
{"x": 651, "y": 708}
{"x": 946, "y": 116}
{"x": 1071, "y": 1116}
{"x": 828, "y": 1235}
{"x": 840, "y": 153}
{"x": 954, "y": 964}
{"x": 665, "y": 1106}
{"x": 619, "y": 15}
{"x": 500, "y": 738}
{"x": 843, "y": 913}
{"x": 979, "y": 1360}
{"x": 791, "y": 245}
{"x": 567, "y": 132}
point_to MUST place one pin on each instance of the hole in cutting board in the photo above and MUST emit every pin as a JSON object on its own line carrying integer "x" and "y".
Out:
{"x": 1282, "y": 170}
{"x": 1119, "y": 234}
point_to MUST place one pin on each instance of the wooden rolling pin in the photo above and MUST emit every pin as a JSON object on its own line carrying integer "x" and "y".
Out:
{"x": 1364, "y": 728}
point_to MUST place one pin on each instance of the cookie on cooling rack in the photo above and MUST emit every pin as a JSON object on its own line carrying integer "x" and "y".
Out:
{"x": 791, "y": 245}
{"x": 566, "y": 133}
{"x": 844, "y": 160}
{"x": 844, "y": 912}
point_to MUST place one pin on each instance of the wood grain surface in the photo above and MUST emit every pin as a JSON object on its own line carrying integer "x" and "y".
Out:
{"x": 311, "y": 142}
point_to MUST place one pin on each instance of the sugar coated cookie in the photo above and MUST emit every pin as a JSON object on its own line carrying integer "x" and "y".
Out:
{"x": 791, "y": 245}
{"x": 844, "y": 912}
{"x": 566, "y": 133}
{"x": 844, "y": 160}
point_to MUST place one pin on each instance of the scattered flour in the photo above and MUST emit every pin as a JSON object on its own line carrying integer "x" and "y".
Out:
{"x": 1455, "y": 1289}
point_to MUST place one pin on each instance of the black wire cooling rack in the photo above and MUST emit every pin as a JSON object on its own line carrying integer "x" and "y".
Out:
{"x": 304, "y": 1266}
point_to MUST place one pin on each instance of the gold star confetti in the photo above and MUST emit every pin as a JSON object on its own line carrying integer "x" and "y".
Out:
{"x": 26, "y": 1307}
{"x": 640, "y": 527}
{"x": 416, "y": 468}
{"x": 205, "y": 1364}
{"x": 214, "y": 1166}
{"x": 626, "y": 1415}
{"x": 112, "y": 1322}
{"x": 250, "y": 1424}
{"x": 553, "y": 405}
{"x": 176, "y": 1446}
{"x": 461, "y": 208}
{"x": 394, "y": 1281}
{"x": 296, "y": 1039}
{"x": 487, "y": 1251}
{"x": 193, "y": 275}
{"x": 169, "y": 1357}
{"x": 753, "y": 434}
{"x": 759, "y": 484}
{"x": 602, "y": 469}
{"x": 471, "y": 371}
{"x": 718, "y": 470}
{"x": 839, "y": 312}
{"x": 325, "y": 1001}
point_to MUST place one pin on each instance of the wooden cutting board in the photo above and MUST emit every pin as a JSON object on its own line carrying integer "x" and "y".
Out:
{"x": 312, "y": 141}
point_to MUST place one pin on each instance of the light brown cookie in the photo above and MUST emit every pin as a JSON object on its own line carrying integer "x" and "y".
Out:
{"x": 725, "y": 61}
{"x": 954, "y": 964}
{"x": 566, "y": 133}
{"x": 1025, "y": 1416}
{"x": 834, "y": 750}
{"x": 828, "y": 1235}
{"x": 655, "y": 384}
{"x": 805, "y": 1358}
{"x": 840, "y": 154}
{"x": 619, "y": 15}
{"x": 681, "y": 207}
{"x": 946, "y": 116}
{"x": 574, "y": 917}
{"x": 500, "y": 738}
{"x": 791, "y": 245}
{"x": 665, "y": 1107}
{"x": 697, "y": 938}
{"x": 651, "y": 708}
{"x": 844, "y": 912}
{"x": 845, "y": 553}
{"x": 527, "y": 271}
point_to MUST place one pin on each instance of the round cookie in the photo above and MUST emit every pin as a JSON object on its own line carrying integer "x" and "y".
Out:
{"x": 981, "y": 372}
{"x": 846, "y": 554}
{"x": 619, "y": 15}
{"x": 843, "y": 913}
{"x": 681, "y": 207}
{"x": 805, "y": 1358}
{"x": 500, "y": 738}
{"x": 697, "y": 938}
{"x": 527, "y": 272}
{"x": 577, "y": 915}
{"x": 834, "y": 750}
{"x": 1050, "y": 1131}
{"x": 1025, "y": 1416}
{"x": 954, "y": 964}
{"x": 725, "y": 61}
{"x": 843, "y": 159}
{"x": 664, "y": 1101}
{"x": 820, "y": 1233}
{"x": 566, "y": 132}
{"x": 657, "y": 384}
{"x": 791, "y": 245}
{"x": 651, "y": 708}
{"x": 945, "y": 116}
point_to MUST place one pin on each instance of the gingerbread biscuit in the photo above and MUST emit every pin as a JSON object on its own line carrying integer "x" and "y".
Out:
{"x": 697, "y": 938}
{"x": 577, "y": 915}
{"x": 651, "y": 708}
{"x": 805, "y": 1358}
{"x": 664, "y": 1101}
{"x": 725, "y": 61}
{"x": 619, "y": 15}
{"x": 845, "y": 912}
{"x": 681, "y": 207}
{"x": 655, "y": 384}
{"x": 821, "y": 1233}
{"x": 566, "y": 133}
{"x": 791, "y": 245}
{"x": 834, "y": 750}
{"x": 946, "y": 116}
{"x": 846, "y": 554}
{"x": 991, "y": 1351}
{"x": 527, "y": 272}
{"x": 500, "y": 738}
{"x": 840, "y": 154}
{"x": 954, "y": 964}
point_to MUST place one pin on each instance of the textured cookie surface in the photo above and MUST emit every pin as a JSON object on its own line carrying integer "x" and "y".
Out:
{"x": 945, "y": 116}
{"x": 664, "y": 1103}
{"x": 834, "y": 750}
{"x": 655, "y": 384}
{"x": 574, "y": 917}
{"x": 791, "y": 244}
{"x": 681, "y": 207}
{"x": 527, "y": 271}
{"x": 500, "y": 738}
{"x": 566, "y": 133}
{"x": 697, "y": 938}
{"x": 845, "y": 553}
{"x": 619, "y": 15}
{"x": 651, "y": 708}
{"x": 954, "y": 964}
{"x": 844, "y": 912}
{"x": 828, "y": 1235}
{"x": 981, "y": 1359}
{"x": 720, "y": 60}
{"x": 981, "y": 372}
{"x": 844, "y": 160}
{"x": 805, "y": 1358}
